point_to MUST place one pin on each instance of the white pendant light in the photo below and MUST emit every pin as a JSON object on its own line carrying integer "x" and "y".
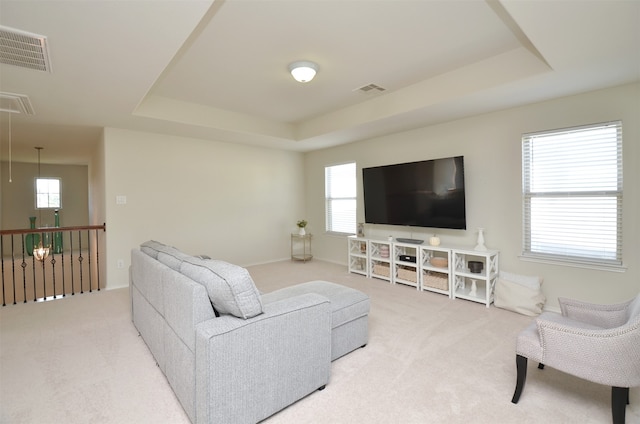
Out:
{"x": 40, "y": 252}
{"x": 303, "y": 71}
{"x": 10, "y": 174}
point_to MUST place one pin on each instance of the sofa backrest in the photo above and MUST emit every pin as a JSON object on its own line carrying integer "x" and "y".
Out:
{"x": 186, "y": 304}
{"x": 167, "y": 308}
{"x": 230, "y": 288}
{"x": 182, "y": 302}
{"x": 168, "y": 255}
{"x": 146, "y": 275}
{"x": 633, "y": 309}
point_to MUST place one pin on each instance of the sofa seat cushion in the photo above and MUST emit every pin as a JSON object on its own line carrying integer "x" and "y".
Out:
{"x": 230, "y": 287}
{"x": 347, "y": 304}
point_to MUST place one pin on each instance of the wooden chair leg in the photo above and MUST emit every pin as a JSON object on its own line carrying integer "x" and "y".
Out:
{"x": 619, "y": 400}
{"x": 521, "y": 367}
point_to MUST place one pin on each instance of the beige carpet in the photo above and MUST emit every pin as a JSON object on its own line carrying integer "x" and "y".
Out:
{"x": 429, "y": 360}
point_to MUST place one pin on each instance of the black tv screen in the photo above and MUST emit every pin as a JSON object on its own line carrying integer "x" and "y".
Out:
{"x": 429, "y": 193}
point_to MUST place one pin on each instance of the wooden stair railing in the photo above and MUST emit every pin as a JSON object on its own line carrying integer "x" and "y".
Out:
{"x": 73, "y": 264}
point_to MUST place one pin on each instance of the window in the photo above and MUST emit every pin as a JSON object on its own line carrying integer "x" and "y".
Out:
{"x": 47, "y": 193}
{"x": 340, "y": 195}
{"x": 572, "y": 193}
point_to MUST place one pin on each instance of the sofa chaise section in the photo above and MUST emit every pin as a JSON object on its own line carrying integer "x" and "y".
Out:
{"x": 349, "y": 313}
{"x": 264, "y": 363}
{"x": 227, "y": 368}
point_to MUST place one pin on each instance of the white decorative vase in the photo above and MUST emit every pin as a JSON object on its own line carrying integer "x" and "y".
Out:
{"x": 302, "y": 231}
{"x": 480, "y": 246}
{"x": 434, "y": 241}
{"x": 474, "y": 288}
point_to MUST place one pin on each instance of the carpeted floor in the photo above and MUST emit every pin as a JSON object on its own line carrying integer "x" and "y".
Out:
{"x": 430, "y": 359}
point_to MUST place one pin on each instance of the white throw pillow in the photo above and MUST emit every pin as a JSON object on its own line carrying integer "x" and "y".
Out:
{"x": 533, "y": 282}
{"x": 519, "y": 293}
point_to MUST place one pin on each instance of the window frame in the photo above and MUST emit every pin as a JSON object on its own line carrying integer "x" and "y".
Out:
{"x": 48, "y": 193}
{"x": 329, "y": 199}
{"x": 583, "y": 198}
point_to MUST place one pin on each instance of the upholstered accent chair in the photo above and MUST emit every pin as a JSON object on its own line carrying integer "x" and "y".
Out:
{"x": 599, "y": 343}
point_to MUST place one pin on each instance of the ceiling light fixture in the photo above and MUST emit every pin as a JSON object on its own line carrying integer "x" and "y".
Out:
{"x": 41, "y": 252}
{"x": 303, "y": 71}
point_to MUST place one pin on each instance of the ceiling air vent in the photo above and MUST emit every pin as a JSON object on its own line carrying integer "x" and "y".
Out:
{"x": 370, "y": 88}
{"x": 15, "y": 103}
{"x": 20, "y": 48}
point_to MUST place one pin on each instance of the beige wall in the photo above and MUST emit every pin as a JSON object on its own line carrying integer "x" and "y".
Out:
{"x": 18, "y": 202}
{"x": 491, "y": 145}
{"x": 97, "y": 212}
{"x": 239, "y": 203}
{"x": 2, "y": 166}
{"x": 231, "y": 202}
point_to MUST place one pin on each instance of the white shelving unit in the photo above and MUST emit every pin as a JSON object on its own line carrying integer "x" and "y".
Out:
{"x": 394, "y": 262}
{"x": 406, "y": 268}
{"x": 435, "y": 275}
{"x": 477, "y": 287}
{"x": 380, "y": 260}
{"x": 358, "y": 255}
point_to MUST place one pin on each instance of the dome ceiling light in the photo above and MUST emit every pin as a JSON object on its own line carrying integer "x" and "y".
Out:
{"x": 303, "y": 71}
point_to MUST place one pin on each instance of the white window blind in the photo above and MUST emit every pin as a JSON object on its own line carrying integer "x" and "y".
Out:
{"x": 340, "y": 195}
{"x": 572, "y": 194}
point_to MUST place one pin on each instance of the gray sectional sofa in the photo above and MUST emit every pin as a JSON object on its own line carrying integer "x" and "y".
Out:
{"x": 230, "y": 353}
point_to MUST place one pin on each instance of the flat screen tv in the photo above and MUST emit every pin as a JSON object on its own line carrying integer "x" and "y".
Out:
{"x": 428, "y": 193}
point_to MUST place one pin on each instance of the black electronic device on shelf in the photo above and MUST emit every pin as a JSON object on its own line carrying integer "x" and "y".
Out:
{"x": 407, "y": 258}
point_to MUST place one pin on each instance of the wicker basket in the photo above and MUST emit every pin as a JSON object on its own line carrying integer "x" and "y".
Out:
{"x": 435, "y": 280}
{"x": 381, "y": 269}
{"x": 439, "y": 262}
{"x": 409, "y": 274}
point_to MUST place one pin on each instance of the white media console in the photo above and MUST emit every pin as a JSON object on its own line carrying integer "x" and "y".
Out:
{"x": 439, "y": 269}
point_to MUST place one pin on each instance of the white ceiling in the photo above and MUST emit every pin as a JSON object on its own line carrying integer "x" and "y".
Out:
{"x": 218, "y": 70}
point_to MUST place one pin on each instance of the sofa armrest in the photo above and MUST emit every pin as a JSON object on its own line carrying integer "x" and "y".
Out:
{"x": 605, "y": 316}
{"x": 606, "y": 356}
{"x": 247, "y": 370}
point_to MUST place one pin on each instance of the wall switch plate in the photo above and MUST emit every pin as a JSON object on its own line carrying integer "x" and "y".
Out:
{"x": 121, "y": 200}
{"x": 120, "y": 264}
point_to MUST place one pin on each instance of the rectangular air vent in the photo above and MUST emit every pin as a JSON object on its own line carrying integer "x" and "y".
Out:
{"x": 370, "y": 87}
{"x": 20, "y": 48}
{"x": 15, "y": 103}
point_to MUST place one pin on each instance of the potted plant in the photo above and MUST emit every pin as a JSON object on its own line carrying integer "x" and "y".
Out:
{"x": 301, "y": 227}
